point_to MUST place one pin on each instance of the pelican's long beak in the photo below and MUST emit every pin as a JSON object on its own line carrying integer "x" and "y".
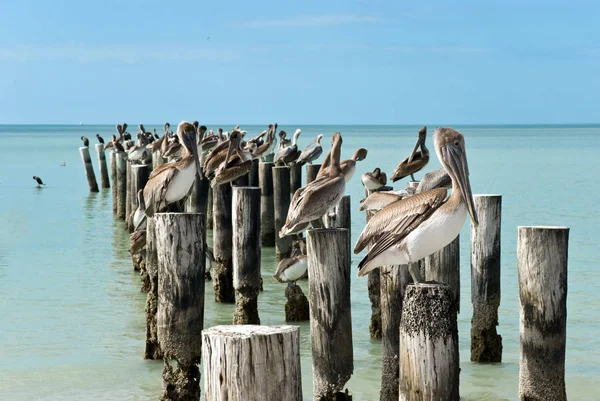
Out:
{"x": 314, "y": 141}
{"x": 457, "y": 161}
{"x": 414, "y": 151}
{"x": 189, "y": 139}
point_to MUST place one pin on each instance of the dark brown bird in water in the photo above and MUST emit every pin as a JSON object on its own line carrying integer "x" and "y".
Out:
{"x": 416, "y": 161}
{"x": 39, "y": 180}
{"x": 86, "y": 142}
{"x": 100, "y": 139}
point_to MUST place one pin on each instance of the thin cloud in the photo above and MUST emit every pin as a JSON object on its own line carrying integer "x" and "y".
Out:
{"x": 312, "y": 21}
{"x": 128, "y": 53}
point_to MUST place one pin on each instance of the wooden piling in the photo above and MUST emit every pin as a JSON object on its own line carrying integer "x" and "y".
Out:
{"x": 180, "y": 245}
{"x": 223, "y": 244}
{"x": 197, "y": 202}
{"x": 157, "y": 159}
{"x": 341, "y": 215}
{"x": 443, "y": 266}
{"x": 121, "y": 184}
{"x": 129, "y": 194}
{"x": 393, "y": 281}
{"x": 330, "y": 316}
{"x": 542, "y": 254}
{"x": 152, "y": 349}
{"x": 267, "y": 213}
{"x": 429, "y": 363}
{"x": 295, "y": 178}
{"x": 281, "y": 204}
{"x": 486, "y": 344}
{"x": 139, "y": 174}
{"x": 254, "y": 174}
{"x": 113, "y": 179}
{"x": 104, "y": 181}
{"x": 210, "y": 220}
{"x": 311, "y": 172}
{"x": 246, "y": 253}
{"x": 89, "y": 168}
{"x": 252, "y": 363}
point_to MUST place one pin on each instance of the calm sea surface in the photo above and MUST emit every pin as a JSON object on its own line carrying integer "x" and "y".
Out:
{"x": 71, "y": 311}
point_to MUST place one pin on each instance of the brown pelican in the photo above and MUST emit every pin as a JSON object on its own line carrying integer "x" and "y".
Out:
{"x": 39, "y": 181}
{"x": 375, "y": 180}
{"x": 262, "y": 151}
{"x": 291, "y": 269}
{"x": 139, "y": 217}
{"x": 139, "y": 152}
{"x": 288, "y": 154}
{"x": 237, "y": 163}
{"x": 311, "y": 153}
{"x": 416, "y": 161}
{"x": 173, "y": 151}
{"x": 209, "y": 141}
{"x": 435, "y": 179}
{"x": 413, "y": 228}
{"x": 380, "y": 199}
{"x": 283, "y": 142}
{"x": 100, "y": 139}
{"x": 215, "y": 158}
{"x": 348, "y": 166}
{"x": 137, "y": 241}
{"x": 86, "y": 142}
{"x": 315, "y": 199}
{"x": 170, "y": 182}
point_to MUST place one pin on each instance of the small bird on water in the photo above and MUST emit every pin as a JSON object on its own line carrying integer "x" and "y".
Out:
{"x": 39, "y": 181}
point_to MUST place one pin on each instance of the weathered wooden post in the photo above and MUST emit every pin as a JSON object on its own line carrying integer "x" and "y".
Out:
{"x": 254, "y": 174}
{"x": 311, "y": 172}
{"x": 223, "y": 244}
{"x": 197, "y": 202}
{"x": 295, "y": 178}
{"x": 393, "y": 282}
{"x": 374, "y": 291}
{"x": 330, "y": 316}
{"x": 121, "y": 184}
{"x": 210, "y": 219}
{"x": 113, "y": 179}
{"x": 341, "y": 216}
{"x": 104, "y": 182}
{"x": 180, "y": 243}
{"x": 84, "y": 151}
{"x": 157, "y": 159}
{"x": 246, "y": 253}
{"x": 486, "y": 344}
{"x": 129, "y": 195}
{"x": 281, "y": 204}
{"x": 152, "y": 350}
{"x": 542, "y": 254}
{"x": 429, "y": 363}
{"x": 139, "y": 174}
{"x": 443, "y": 266}
{"x": 267, "y": 213}
{"x": 252, "y": 363}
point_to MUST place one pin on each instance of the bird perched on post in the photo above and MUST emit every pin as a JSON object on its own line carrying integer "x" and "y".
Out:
{"x": 410, "y": 229}
{"x": 415, "y": 161}
{"x": 86, "y": 142}
{"x": 375, "y": 180}
{"x": 39, "y": 181}
{"x": 100, "y": 139}
{"x": 311, "y": 152}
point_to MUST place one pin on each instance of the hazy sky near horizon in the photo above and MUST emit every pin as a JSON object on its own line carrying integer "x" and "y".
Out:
{"x": 313, "y": 62}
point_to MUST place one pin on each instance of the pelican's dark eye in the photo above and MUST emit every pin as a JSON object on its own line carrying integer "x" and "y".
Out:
{"x": 456, "y": 143}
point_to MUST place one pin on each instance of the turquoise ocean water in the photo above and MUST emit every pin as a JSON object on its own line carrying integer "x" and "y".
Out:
{"x": 72, "y": 315}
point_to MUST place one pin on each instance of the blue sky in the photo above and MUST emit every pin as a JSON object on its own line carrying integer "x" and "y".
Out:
{"x": 312, "y": 62}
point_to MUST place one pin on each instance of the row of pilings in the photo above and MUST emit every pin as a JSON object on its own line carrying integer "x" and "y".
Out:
{"x": 416, "y": 323}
